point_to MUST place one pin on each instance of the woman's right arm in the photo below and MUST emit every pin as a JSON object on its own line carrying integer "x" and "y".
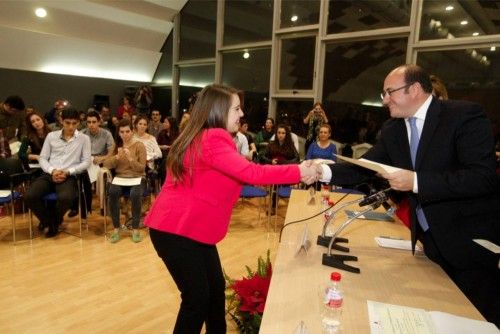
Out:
{"x": 221, "y": 155}
{"x": 308, "y": 116}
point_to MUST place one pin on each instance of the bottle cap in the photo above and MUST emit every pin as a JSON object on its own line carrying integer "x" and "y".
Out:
{"x": 335, "y": 276}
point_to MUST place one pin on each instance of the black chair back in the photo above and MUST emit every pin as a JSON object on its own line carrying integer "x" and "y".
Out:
{"x": 8, "y": 167}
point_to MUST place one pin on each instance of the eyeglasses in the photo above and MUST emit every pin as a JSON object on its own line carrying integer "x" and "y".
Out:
{"x": 390, "y": 91}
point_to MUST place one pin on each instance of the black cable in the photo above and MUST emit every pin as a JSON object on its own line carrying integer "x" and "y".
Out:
{"x": 311, "y": 217}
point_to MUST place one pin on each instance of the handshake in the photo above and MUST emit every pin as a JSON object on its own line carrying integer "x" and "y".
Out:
{"x": 310, "y": 172}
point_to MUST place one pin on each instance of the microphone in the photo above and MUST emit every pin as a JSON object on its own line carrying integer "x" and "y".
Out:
{"x": 336, "y": 260}
{"x": 379, "y": 197}
{"x": 376, "y": 199}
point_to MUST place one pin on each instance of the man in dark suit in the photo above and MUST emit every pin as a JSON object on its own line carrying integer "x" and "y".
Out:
{"x": 449, "y": 182}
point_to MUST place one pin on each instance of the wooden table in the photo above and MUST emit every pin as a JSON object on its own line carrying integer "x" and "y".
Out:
{"x": 387, "y": 275}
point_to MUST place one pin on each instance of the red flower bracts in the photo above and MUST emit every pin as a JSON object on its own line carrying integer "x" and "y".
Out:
{"x": 247, "y": 297}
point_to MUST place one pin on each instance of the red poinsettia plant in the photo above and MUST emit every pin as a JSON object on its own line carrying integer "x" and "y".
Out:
{"x": 246, "y": 297}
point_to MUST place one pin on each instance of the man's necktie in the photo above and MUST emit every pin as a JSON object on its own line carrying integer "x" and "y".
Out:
{"x": 414, "y": 140}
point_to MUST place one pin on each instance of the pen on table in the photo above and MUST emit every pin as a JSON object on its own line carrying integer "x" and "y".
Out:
{"x": 388, "y": 237}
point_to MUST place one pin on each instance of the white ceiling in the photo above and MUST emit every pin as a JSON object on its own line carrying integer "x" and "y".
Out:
{"x": 116, "y": 39}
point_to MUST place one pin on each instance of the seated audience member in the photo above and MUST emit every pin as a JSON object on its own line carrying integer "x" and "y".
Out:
{"x": 128, "y": 159}
{"x": 167, "y": 136}
{"x": 12, "y": 118}
{"x": 101, "y": 140}
{"x": 32, "y": 143}
{"x": 112, "y": 126}
{"x": 323, "y": 148}
{"x": 252, "y": 149}
{"x": 264, "y": 136}
{"x": 155, "y": 125}
{"x": 65, "y": 153}
{"x": 153, "y": 151}
{"x": 438, "y": 88}
{"x": 126, "y": 107}
{"x": 241, "y": 143}
{"x": 281, "y": 151}
{"x": 83, "y": 120}
{"x": 57, "y": 125}
{"x": 165, "y": 139}
{"x": 51, "y": 115}
{"x": 4, "y": 146}
{"x": 105, "y": 113}
{"x": 295, "y": 138}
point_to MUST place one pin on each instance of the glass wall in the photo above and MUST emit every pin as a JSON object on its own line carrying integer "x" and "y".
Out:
{"x": 299, "y": 13}
{"x": 247, "y": 21}
{"x": 249, "y": 71}
{"x": 353, "y": 78}
{"x": 192, "y": 79}
{"x": 471, "y": 74}
{"x": 360, "y": 15}
{"x": 297, "y": 63}
{"x": 197, "y": 30}
{"x": 452, "y": 19}
{"x": 339, "y": 55}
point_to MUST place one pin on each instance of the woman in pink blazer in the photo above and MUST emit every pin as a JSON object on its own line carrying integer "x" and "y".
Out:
{"x": 193, "y": 210}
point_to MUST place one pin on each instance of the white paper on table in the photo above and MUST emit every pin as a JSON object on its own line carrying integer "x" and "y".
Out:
{"x": 488, "y": 245}
{"x": 33, "y": 166}
{"x": 4, "y": 193}
{"x": 395, "y": 319}
{"x": 323, "y": 161}
{"x": 126, "y": 181}
{"x": 372, "y": 165}
{"x": 396, "y": 243}
{"x": 449, "y": 323}
{"x": 93, "y": 172}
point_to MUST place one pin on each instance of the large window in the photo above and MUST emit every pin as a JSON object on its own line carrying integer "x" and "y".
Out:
{"x": 248, "y": 70}
{"x": 248, "y": 21}
{"x": 193, "y": 79}
{"x": 470, "y": 74}
{"x": 359, "y": 15}
{"x": 197, "y": 31}
{"x": 297, "y": 63}
{"x": 452, "y": 19}
{"x": 353, "y": 78}
{"x": 299, "y": 12}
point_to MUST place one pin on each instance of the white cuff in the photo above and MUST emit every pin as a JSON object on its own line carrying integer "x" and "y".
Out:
{"x": 415, "y": 183}
{"x": 327, "y": 174}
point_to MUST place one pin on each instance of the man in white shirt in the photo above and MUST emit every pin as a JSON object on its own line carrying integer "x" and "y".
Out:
{"x": 241, "y": 142}
{"x": 65, "y": 153}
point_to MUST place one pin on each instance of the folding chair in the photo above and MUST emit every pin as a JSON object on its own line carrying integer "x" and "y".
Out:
{"x": 12, "y": 175}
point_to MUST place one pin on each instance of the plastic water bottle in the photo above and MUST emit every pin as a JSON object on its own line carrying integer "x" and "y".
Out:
{"x": 332, "y": 305}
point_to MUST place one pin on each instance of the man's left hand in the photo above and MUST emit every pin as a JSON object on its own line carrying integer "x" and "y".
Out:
{"x": 401, "y": 180}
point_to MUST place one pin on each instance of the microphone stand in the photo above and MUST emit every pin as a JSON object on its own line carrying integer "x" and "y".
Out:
{"x": 337, "y": 260}
{"x": 324, "y": 240}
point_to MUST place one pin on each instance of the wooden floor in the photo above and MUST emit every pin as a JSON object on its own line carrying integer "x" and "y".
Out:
{"x": 72, "y": 285}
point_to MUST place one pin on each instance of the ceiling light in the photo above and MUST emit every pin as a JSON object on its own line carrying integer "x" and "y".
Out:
{"x": 246, "y": 55}
{"x": 475, "y": 34}
{"x": 448, "y": 8}
{"x": 40, "y": 12}
{"x": 294, "y": 18}
{"x": 493, "y": 48}
{"x": 464, "y": 22}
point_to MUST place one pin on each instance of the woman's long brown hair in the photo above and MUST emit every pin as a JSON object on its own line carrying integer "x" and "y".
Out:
{"x": 31, "y": 131}
{"x": 210, "y": 111}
